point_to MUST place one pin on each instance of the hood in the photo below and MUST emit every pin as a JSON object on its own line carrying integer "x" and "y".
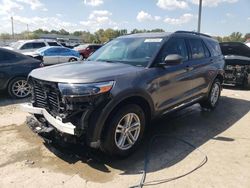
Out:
{"x": 8, "y": 47}
{"x": 83, "y": 72}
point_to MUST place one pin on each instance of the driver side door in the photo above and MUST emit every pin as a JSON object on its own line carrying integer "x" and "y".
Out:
{"x": 174, "y": 80}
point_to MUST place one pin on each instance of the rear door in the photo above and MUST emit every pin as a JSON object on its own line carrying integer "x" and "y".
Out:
{"x": 65, "y": 55}
{"x": 174, "y": 80}
{"x": 51, "y": 56}
{"x": 200, "y": 60}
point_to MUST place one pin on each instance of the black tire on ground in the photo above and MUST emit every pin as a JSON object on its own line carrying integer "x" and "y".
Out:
{"x": 210, "y": 102}
{"x": 111, "y": 139}
{"x": 13, "y": 85}
{"x": 72, "y": 59}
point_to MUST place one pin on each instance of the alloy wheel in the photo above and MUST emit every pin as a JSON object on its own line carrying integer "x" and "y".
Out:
{"x": 21, "y": 88}
{"x": 127, "y": 131}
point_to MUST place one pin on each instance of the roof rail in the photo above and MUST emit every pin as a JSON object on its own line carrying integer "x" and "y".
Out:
{"x": 194, "y": 33}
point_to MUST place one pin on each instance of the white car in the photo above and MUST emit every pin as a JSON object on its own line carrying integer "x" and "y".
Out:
{"x": 27, "y": 46}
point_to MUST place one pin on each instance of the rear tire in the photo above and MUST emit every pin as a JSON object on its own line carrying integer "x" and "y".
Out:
{"x": 124, "y": 131}
{"x": 213, "y": 98}
{"x": 19, "y": 88}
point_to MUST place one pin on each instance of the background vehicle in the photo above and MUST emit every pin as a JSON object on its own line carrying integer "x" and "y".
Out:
{"x": 109, "y": 100}
{"x": 237, "y": 68}
{"x": 248, "y": 43}
{"x": 14, "y": 68}
{"x": 55, "y": 55}
{"x": 86, "y": 50}
{"x": 27, "y": 46}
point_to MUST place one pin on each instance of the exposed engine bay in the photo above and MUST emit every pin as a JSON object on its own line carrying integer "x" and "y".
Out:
{"x": 237, "y": 70}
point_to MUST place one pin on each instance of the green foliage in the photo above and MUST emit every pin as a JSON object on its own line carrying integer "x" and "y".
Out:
{"x": 102, "y": 36}
{"x": 234, "y": 37}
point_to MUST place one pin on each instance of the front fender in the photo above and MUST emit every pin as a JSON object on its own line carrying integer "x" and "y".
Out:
{"x": 99, "y": 117}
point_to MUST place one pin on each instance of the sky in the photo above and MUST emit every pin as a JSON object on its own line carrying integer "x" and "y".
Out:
{"x": 219, "y": 17}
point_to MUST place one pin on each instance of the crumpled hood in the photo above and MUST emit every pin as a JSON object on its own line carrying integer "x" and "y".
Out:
{"x": 83, "y": 72}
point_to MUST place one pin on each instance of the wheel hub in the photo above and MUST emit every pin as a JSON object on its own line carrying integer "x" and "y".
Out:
{"x": 127, "y": 131}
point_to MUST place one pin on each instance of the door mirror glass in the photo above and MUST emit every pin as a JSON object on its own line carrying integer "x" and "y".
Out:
{"x": 173, "y": 59}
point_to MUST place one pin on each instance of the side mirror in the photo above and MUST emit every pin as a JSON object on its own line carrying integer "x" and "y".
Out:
{"x": 172, "y": 59}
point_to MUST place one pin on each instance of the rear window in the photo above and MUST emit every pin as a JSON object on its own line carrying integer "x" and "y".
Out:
{"x": 9, "y": 56}
{"x": 214, "y": 47}
{"x": 239, "y": 49}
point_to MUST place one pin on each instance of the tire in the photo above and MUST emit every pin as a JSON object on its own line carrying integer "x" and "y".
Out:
{"x": 113, "y": 136}
{"x": 72, "y": 59}
{"x": 214, "y": 96}
{"x": 81, "y": 57}
{"x": 19, "y": 88}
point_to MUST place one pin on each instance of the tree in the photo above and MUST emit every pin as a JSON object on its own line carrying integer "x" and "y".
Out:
{"x": 236, "y": 37}
{"x": 63, "y": 32}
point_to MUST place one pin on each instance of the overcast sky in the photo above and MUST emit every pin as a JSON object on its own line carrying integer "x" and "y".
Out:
{"x": 220, "y": 17}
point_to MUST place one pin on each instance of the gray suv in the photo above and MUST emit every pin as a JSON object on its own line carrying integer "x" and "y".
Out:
{"x": 108, "y": 101}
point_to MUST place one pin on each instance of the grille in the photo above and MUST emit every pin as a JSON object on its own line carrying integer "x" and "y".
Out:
{"x": 46, "y": 95}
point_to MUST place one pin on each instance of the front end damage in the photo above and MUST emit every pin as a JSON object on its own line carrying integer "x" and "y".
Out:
{"x": 62, "y": 118}
{"x": 236, "y": 74}
{"x": 237, "y": 71}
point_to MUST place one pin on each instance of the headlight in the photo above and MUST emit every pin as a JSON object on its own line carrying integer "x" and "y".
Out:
{"x": 85, "y": 89}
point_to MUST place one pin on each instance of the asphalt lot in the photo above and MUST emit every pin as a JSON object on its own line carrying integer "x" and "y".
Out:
{"x": 222, "y": 135}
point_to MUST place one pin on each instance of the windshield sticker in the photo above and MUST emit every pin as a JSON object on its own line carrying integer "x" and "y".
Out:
{"x": 153, "y": 40}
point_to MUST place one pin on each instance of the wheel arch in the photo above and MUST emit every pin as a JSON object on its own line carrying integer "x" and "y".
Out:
{"x": 97, "y": 129}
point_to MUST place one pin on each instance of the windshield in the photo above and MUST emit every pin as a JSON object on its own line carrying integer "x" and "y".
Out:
{"x": 133, "y": 51}
{"x": 15, "y": 45}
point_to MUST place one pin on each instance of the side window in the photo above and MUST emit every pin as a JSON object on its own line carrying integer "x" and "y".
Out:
{"x": 53, "y": 44}
{"x": 197, "y": 49}
{"x": 39, "y": 45}
{"x": 173, "y": 46}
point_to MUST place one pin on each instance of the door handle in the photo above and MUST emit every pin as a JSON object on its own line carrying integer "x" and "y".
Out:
{"x": 189, "y": 68}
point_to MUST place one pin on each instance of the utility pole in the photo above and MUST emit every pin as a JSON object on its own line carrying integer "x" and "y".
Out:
{"x": 12, "y": 27}
{"x": 199, "y": 18}
{"x": 27, "y": 31}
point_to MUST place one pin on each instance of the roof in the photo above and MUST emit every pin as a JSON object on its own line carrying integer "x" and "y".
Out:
{"x": 154, "y": 35}
{"x": 166, "y": 34}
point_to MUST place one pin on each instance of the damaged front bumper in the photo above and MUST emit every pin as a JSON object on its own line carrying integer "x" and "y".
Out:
{"x": 56, "y": 122}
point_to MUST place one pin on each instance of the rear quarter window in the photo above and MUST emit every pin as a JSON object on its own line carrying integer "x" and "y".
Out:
{"x": 214, "y": 47}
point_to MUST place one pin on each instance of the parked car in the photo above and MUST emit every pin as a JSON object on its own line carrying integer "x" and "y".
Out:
{"x": 248, "y": 43}
{"x": 14, "y": 69}
{"x": 56, "y": 54}
{"x": 28, "y": 46}
{"x": 86, "y": 50}
{"x": 237, "y": 68}
{"x": 109, "y": 100}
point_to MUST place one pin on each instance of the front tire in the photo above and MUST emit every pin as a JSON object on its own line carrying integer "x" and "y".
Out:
{"x": 214, "y": 95}
{"x": 72, "y": 59}
{"x": 19, "y": 88}
{"x": 124, "y": 132}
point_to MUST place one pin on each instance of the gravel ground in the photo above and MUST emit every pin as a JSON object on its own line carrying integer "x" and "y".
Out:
{"x": 223, "y": 135}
